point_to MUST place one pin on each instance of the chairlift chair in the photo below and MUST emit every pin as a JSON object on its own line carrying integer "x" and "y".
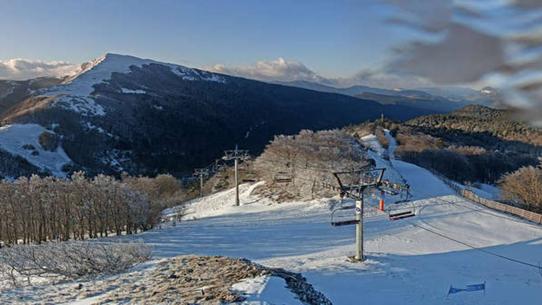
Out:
{"x": 400, "y": 214}
{"x": 343, "y": 216}
{"x": 405, "y": 196}
{"x": 396, "y": 189}
{"x": 282, "y": 177}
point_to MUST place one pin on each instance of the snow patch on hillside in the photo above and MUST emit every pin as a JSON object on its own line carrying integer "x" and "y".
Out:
{"x": 83, "y": 105}
{"x": 423, "y": 184}
{"x": 130, "y": 91}
{"x": 194, "y": 74}
{"x": 23, "y": 140}
{"x": 89, "y": 126}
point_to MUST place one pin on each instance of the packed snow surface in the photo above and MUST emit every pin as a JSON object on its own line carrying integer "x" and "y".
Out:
{"x": 450, "y": 241}
{"x": 23, "y": 140}
{"x": 265, "y": 290}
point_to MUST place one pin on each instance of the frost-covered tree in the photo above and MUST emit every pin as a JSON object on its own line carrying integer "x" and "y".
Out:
{"x": 297, "y": 166}
{"x": 524, "y": 186}
{"x": 40, "y": 209}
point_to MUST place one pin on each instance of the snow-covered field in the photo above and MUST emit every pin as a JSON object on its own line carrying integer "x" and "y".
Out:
{"x": 450, "y": 242}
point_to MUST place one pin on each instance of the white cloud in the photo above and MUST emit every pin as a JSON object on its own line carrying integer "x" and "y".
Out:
{"x": 382, "y": 79}
{"x": 279, "y": 69}
{"x": 18, "y": 69}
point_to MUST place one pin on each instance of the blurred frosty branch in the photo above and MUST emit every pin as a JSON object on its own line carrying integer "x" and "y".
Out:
{"x": 496, "y": 43}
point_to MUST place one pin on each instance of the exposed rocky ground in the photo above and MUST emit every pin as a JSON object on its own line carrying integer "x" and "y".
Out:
{"x": 181, "y": 280}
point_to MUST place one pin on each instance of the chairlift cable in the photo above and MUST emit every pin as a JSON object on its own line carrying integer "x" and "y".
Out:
{"x": 476, "y": 248}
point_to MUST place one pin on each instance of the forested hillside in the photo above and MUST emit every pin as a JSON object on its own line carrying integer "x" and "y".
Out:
{"x": 473, "y": 144}
{"x": 479, "y": 121}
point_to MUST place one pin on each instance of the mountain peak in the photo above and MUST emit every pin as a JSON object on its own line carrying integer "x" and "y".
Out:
{"x": 98, "y": 70}
{"x": 78, "y": 88}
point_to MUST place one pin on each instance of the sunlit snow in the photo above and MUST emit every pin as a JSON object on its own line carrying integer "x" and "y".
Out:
{"x": 14, "y": 138}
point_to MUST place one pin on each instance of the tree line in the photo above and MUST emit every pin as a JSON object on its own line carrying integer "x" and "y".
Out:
{"x": 39, "y": 209}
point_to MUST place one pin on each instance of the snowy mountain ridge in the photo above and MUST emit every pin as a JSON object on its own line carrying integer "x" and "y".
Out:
{"x": 75, "y": 93}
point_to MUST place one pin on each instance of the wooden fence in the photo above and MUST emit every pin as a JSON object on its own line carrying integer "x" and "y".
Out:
{"x": 495, "y": 205}
{"x": 528, "y": 215}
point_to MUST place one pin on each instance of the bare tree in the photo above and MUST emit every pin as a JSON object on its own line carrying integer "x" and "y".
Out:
{"x": 297, "y": 166}
{"x": 524, "y": 186}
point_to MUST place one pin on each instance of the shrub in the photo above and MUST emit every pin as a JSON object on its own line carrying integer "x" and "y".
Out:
{"x": 49, "y": 141}
{"x": 524, "y": 186}
{"x": 68, "y": 260}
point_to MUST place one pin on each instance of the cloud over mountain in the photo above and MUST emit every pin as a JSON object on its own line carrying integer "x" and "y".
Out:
{"x": 18, "y": 68}
{"x": 382, "y": 79}
{"x": 282, "y": 70}
{"x": 279, "y": 69}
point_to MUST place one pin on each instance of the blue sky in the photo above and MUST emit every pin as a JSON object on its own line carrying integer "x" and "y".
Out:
{"x": 333, "y": 38}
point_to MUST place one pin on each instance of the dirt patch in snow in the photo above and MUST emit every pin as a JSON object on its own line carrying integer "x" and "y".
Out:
{"x": 188, "y": 280}
{"x": 206, "y": 280}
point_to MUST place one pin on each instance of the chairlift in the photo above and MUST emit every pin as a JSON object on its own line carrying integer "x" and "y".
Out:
{"x": 405, "y": 196}
{"x": 282, "y": 177}
{"x": 389, "y": 191}
{"x": 400, "y": 214}
{"x": 343, "y": 216}
{"x": 396, "y": 189}
{"x": 359, "y": 179}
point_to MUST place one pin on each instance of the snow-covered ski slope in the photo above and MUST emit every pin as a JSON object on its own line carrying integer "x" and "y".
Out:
{"x": 412, "y": 261}
{"x": 23, "y": 140}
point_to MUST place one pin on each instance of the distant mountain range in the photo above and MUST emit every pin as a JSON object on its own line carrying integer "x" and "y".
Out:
{"x": 126, "y": 114}
{"x": 436, "y": 99}
{"x": 121, "y": 113}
